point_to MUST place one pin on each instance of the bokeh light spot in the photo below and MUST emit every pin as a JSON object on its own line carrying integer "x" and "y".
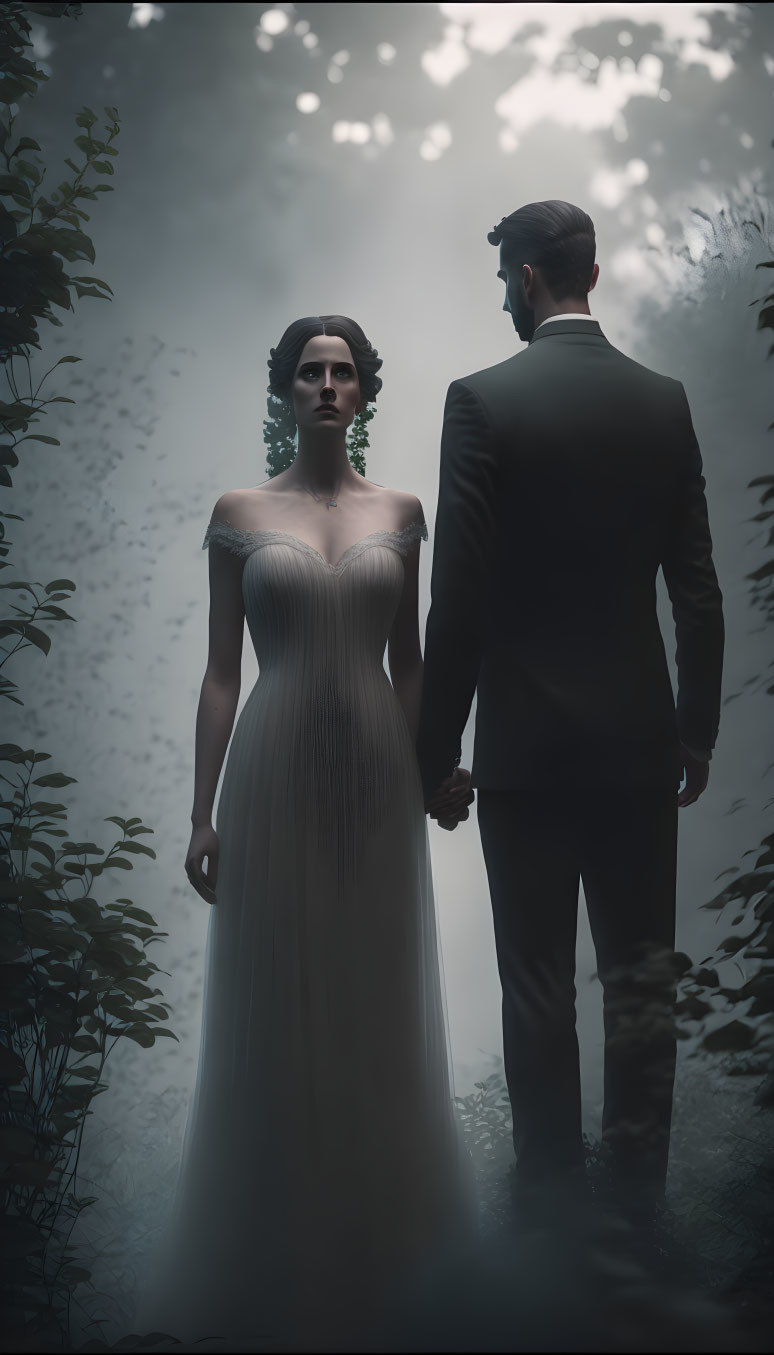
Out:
{"x": 440, "y": 135}
{"x": 636, "y": 171}
{"x": 274, "y": 22}
{"x": 143, "y": 14}
{"x": 449, "y": 59}
{"x": 308, "y": 103}
{"x": 382, "y": 129}
{"x": 695, "y": 242}
{"x": 627, "y": 265}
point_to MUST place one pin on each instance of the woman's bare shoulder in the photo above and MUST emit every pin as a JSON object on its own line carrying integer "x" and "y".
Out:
{"x": 242, "y": 508}
{"x": 402, "y": 507}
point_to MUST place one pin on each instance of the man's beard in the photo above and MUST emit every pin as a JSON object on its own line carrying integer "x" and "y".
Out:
{"x": 523, "y": 317}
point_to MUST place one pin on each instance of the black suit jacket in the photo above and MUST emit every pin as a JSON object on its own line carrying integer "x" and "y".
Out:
{"x": 569, "y": 474}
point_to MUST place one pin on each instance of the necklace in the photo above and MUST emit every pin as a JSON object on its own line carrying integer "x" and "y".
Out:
{"x": 329, "y": 503}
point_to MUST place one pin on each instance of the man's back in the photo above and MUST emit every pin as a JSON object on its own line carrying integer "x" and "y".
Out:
{"x": 569, "y": 474}
{"x": 595, "y": 481}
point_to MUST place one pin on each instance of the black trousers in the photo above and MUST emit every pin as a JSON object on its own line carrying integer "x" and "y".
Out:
{"x": 622, "y": 843}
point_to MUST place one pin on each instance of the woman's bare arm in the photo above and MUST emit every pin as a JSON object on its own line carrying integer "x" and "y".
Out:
{"x": 223, "y": 676}
{"x": 404, "y": 651}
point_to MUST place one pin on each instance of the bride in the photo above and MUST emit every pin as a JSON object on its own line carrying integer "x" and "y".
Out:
{"x": 321, "y": 1166}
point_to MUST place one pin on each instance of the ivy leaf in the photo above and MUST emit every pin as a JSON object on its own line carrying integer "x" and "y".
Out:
{"x": 12, "y": 1068}
{"x": 97, "y": 281}
{"x": 26, "y": 144}
{"x": 733, "y": 1037}
{"x": 130, "y": 846}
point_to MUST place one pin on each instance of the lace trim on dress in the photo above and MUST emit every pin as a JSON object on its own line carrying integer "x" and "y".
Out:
{"x": 243, "y": 541}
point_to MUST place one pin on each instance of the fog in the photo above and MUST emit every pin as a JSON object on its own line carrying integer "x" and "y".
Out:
{"x": 233, "y": 213}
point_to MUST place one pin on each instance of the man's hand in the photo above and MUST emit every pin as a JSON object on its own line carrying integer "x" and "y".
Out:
{"x": 448, "y": 805}
{"x": 696, "y": 778}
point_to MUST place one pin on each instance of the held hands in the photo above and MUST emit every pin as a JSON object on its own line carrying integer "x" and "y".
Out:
{"x": 204, "y": 842}
{"x": 696, "y": 778}
{"x": 448, "y": 805}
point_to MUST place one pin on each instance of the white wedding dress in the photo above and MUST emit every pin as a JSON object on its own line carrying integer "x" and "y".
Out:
{"x": 322, "y": 1164}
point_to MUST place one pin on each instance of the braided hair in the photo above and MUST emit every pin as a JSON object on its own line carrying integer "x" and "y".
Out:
{"x": 279, "y": 428}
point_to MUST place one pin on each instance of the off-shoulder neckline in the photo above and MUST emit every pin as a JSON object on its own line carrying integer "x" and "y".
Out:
{"x": 243, "y": 540}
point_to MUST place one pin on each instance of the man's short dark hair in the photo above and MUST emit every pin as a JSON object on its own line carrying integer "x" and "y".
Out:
{"x": 555, "y": 237}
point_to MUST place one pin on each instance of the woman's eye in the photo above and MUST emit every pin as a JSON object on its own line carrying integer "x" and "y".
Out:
{"x": 340, "y": 371}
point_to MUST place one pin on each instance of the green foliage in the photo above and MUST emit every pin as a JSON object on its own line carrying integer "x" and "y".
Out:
{"x": 357, "y": 441}
{"x": 39, "y": 232}
{"x": 279, "y": 433}
{"x": 20, "y": 630}
{"x": 748, "y": 1039}
{"x": 762, "y": 578}
{"x": 484, "y": 1117}
{"x": 36, "y": 234}
{"x": 75, "y": 975}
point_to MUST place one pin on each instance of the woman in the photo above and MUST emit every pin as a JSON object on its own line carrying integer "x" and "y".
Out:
{"x": 321, "y": 1162}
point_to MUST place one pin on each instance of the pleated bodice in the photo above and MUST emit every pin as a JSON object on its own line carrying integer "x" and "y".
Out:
{"x": 323, "y": 706}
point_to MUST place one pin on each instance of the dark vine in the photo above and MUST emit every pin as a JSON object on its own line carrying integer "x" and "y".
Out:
{"x": 279, "y": 435}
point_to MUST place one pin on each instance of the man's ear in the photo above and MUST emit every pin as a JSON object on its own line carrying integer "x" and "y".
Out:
{"x": 527, "y": 277}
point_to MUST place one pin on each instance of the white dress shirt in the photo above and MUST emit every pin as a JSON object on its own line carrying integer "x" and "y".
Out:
{"x": 568, "y": 315}
{"x": 701, "y": 754}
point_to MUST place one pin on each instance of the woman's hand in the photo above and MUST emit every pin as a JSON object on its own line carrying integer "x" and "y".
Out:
{"x": 204, "y": 842}
{"x": 449, "y": 803}
{"x": 696, "y": 778}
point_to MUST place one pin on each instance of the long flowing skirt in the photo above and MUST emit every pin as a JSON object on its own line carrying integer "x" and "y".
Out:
{"x": 322, "y": 1166}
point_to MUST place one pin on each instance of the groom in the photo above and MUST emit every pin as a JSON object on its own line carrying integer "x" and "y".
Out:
{"x": 569, "y": 473}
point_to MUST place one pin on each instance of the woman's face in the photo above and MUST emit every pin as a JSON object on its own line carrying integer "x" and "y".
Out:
{"x": 325, "y": 388}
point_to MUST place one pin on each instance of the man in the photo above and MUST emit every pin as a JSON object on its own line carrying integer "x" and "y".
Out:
{"x": 569, "y": 474}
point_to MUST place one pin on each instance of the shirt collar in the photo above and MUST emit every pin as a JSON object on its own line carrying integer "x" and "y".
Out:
{"x": 566, "y": 315}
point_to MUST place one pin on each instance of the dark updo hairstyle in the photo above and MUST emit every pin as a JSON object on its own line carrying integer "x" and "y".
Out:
{"x": 555, "y": 237}
{"x": 280, "y": 426}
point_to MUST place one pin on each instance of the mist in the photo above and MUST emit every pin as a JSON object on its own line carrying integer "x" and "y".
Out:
{"x": 351, "y": 159}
